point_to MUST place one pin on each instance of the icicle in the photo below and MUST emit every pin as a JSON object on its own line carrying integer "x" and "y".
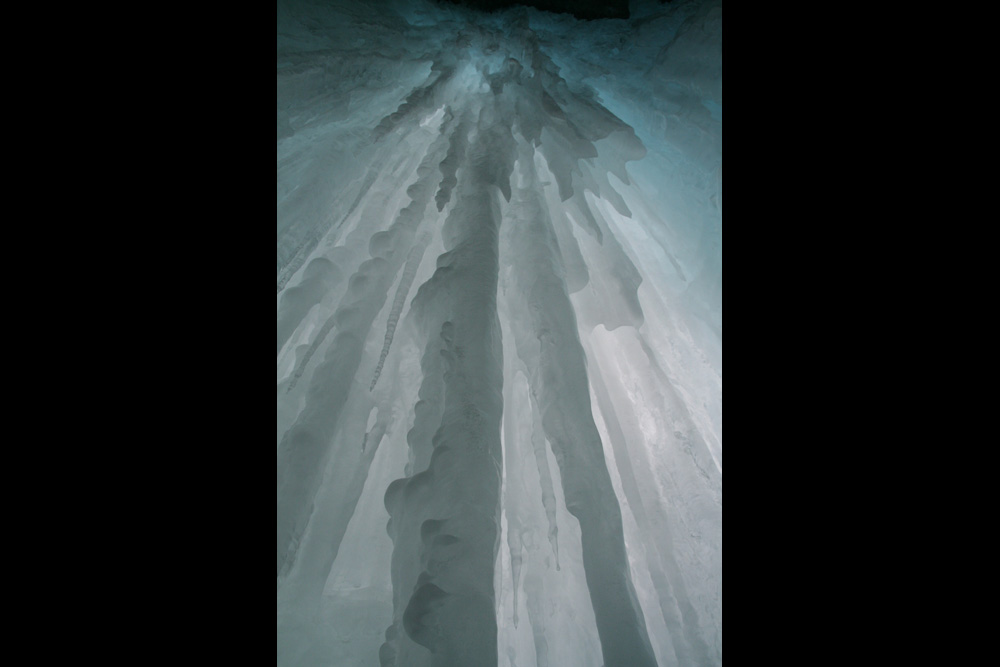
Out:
{"x": 594, "y": 339}
{"x": 420, "y": 98}
{"x": 453, "y": 506}
{"x": 304, "y": 449}
{"x": 449, "y": 166}
{"x": 301, "y": 365}
{"x": 320, "y": 275}
{"x": 552, "y": 350}
{"x": 545, "y": 477}
{"x": 409, "y": 273}
{"x": 512, "y": 493}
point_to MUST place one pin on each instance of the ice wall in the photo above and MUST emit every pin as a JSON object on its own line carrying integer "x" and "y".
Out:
{"x": 499, "y": 336}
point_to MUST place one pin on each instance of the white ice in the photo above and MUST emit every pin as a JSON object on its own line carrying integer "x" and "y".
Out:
{"x": 499, "y": 354}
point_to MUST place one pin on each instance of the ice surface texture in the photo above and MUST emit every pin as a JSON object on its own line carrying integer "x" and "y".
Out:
{"x": 499, "y": 336}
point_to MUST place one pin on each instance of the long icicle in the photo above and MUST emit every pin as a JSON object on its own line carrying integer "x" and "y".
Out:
{"x": 409, "y": 273}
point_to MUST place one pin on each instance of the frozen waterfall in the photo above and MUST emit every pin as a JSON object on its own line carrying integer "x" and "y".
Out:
{"x": 499, "y": 421}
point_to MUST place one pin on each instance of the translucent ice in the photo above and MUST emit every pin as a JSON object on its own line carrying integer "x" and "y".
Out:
{"x": 499, "y": 322}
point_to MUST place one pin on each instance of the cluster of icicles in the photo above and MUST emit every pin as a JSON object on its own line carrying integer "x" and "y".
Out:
{"x": 492, "y": 250}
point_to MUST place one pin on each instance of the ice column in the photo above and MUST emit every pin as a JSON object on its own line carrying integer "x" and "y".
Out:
{"x": 445, "y": 522}
{"x": 549, "y": 346}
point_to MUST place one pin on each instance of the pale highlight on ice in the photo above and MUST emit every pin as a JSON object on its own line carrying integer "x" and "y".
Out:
{"x": 499, "y": 322}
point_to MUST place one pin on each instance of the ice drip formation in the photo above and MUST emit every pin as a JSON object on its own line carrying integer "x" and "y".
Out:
{"x": 499, "y": 315}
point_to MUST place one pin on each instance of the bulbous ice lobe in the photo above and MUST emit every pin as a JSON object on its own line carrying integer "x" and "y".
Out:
{"x": 499, "y": 336}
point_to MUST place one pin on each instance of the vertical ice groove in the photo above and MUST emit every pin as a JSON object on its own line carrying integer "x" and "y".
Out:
{"x": 452, "y": 507}
{"x": 297, "y": 257}
{"x": 301, "y": 365}
{"x": 296, "y": 302}
{"x": 552, "y": 350}
{"x": 430, "y": 405}
{"x": 449, "y": 166}
{"x": 679, "y": 615}
{"x": 513, "y": 494}
{"x": 545, "y": 476}
{"x": 409, "y": 273}
{"x": 305, "y": 448}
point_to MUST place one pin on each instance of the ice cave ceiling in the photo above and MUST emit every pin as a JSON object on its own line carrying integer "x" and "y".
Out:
{"x": 581, "y": 9}
{"x": 499, "y": 334}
